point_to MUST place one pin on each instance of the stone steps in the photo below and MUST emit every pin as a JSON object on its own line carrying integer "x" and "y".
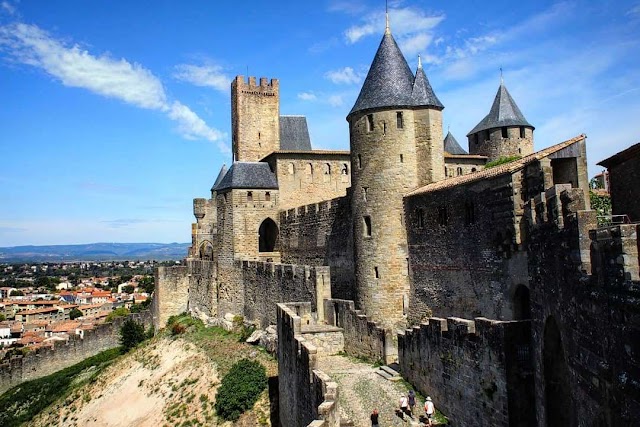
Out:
{"x": 388, "y": 373}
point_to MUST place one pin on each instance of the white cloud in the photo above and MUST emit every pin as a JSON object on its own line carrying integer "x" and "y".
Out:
{"x": 415, "y": 44}
{"x": 344, "y": 75}
{"x": 307, "y": 96}
{"x": 335, "y": 100}
{"x": 348, "y": 6}
{"x": 102, "y": 75}
{"x": 8, "y": 7}
{"x": 204, "y": 75}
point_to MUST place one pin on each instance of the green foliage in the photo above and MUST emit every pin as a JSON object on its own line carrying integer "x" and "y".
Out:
{"x": 501, "y": 161}
{"x": 183, "y": 323}
{"x": 118, "y": 312}
{"x": 16, "y": 293}
{"x": 131, "y": 334}
{"x": 3, "y": 317}
{"x": 601, "y": 203}
{"x": 240, "y": 389}
{"x": 147, "y": 283}
{"x": 24, "y": 401}
{"x": 75, "y": 313}
{"x": 128, "y": 289}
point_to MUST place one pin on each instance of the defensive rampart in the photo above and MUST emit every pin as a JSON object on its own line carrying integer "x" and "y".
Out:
{"x": 321, "y": 234}
{"x": 478, "y": 370}
{"x": 307, "y": 396}
{"x": 46, "y": 360}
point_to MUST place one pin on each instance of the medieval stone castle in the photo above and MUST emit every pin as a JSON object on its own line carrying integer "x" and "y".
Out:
{"x": 491, "y": 286}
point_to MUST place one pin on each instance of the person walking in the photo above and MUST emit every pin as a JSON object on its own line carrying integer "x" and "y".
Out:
{"x": 404, "y": 405}
{"x": 412, "y": 401}
{"x": 429, "y": 410}
{"x": 374, "y": 418}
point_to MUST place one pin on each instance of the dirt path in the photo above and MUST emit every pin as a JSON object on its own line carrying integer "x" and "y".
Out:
{"x": 361, "y": 390}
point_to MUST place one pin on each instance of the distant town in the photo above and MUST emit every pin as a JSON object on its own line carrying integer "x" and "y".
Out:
{"x": 45, "y": 303}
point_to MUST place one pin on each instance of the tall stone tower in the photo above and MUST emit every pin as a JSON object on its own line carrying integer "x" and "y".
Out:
{"x": 504, "y": 132}
{"x": 255, "y": 118}
{"x": 396, "y": 146}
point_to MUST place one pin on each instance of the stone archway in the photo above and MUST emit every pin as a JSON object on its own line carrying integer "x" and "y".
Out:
{"x": 206, "y": 251}
{"x": 268, "y": 233}
{"x": 521, "y": 303}
{"x": 556, "y": 377}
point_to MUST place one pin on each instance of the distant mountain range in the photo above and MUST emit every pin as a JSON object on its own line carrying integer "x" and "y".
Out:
{"x": 95, "y": 252}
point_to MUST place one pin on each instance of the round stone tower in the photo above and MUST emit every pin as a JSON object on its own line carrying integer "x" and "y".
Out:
{"x": 504, "y": 132}
{"x": 396, "y": 146}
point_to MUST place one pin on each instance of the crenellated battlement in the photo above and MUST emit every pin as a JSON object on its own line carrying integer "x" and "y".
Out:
{"x": 614, "y": 255}
{"x": 251, "y": 85}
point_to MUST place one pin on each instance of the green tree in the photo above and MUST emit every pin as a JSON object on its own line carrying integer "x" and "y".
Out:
{"x": 3, "y": 317}
{"x": 118, "y": 312}
{"x": 16, "y": 293}
{"x": 131, "y": 334}
{"x": 128, "y": 289}
{"x": 601, "y": 203}
{"x": 75, "y": 313}
{"x": 43, "y": 282}
{"x": 240, "y": 389}
{"x": 147, "y": 283}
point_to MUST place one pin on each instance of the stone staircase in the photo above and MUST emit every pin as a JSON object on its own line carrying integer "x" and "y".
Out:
{"x": 389, "y": 373}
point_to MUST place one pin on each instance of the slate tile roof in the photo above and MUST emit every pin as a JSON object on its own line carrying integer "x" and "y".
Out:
{"x": 451, "y": 145}
{"x": 294, "y": 133}
{"x": 504, "y": 112}
{"x": 495, "y": 171}
{"x": 256, "y": 175}
{"x": 622, "y": 156}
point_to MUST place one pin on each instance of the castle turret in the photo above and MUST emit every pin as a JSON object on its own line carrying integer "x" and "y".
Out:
{"x": 504, "y": 132}
{"x": 396, "y": 146}
{"x": 255, "y": 118}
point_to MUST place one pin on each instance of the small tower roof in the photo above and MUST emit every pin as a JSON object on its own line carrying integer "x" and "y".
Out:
{"x": 294, "y": 133}
{"x": 221, "y": 174}
{"x": 422, "y": 93}
{"x": 451, "y": 145}
{"x": 504, "y": 112}
{"x": 256, "y": 175}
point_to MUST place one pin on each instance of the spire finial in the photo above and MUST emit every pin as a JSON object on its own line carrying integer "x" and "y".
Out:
{"x": 419, "y": 61}
{"x": 501, "y": 78}
{"x": 387, "y": 30}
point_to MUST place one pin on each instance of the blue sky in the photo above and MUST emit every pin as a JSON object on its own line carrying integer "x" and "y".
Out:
{"x": 116, "y": 115}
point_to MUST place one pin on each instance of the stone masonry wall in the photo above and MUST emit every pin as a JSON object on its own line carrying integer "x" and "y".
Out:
{"x": 171, "y": 295}
{"x": 46, "y": 361}
{"x": 307, "y": 396}
{"x": 490, "y": 143}
{"x": 321, "y": 234}
{"x": 478, "y": 372}
{"x": 597, "y": 316}
{"x": 203, "y": 288}
{"x": 625, "y": 181}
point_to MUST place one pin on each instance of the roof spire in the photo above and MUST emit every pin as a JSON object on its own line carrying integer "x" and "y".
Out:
{"x": 387, "y": 30}
{"x": 419, "y": 61}
{"x": 501, "y": 78}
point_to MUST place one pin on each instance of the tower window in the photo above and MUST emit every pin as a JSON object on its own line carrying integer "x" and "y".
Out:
{"x": 401, "y": 159}
{"x": 400, "y": 122}
{"x": 327, "y": 169}
{"x": 443, "y": 216}
{"x": 291, "y": 169}
{"x": 445, "y": 171}
{"x": 459, "y": 171}
{"x": 420, "y": 217}
{"x": 469, "y": 213}
{"x": 259, "y": 135}
{"x": 505, "y": 134}
{"x": 309, "y": 169}
{"x": 384, "y": 128}
{"x": 376, "y": 272}
{"x": 364, "y": 193}
{"x": 267, "y": 196}
{"x": 367, "y": 226}
{"x": 359, "y": 161}
{"x": 369, "y": 122}
{"x": 345, "y": 169}
{"x": 249, "y": 196}
{"x": 522, "y": 135}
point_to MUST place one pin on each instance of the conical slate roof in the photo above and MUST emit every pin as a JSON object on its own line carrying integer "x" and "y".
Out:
{"x": 451, "y": 146}
{"x": 390, "y": 82}
{"x": 422, "y": 93}
{"x": 504, "y": 112}
{"x": 256, "y": 175}
{"x": 223, "y": 172}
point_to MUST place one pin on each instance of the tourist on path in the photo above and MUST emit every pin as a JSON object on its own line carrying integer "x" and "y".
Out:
{"x": 374, "y": 418}
{"x": 404, "y": 405}
{"x": 412, "y": 401}
{"x": 429, "y": 409}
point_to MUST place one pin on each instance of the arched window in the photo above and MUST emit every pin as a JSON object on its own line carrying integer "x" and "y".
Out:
{"x": 521, "y": 303}
{"x": 309, "y": 169}
{"x": 206, "y": 251}
{"x": 459, "y": 171}
{"x": 267, "y": 196}
{"x": 327, "y": 169}
{"x": 268, "y": 236}
{"x": 367, "y": 226}
{"x": 345, "y": 169}
{"x": 249, "y": 196}
{"x": 291, "y": 169}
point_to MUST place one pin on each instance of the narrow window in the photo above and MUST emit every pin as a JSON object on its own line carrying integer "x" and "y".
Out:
{"x": 521, "y": 131}
{"x": 267, "y": 196}
{"x": 249, "y": 196}
{"x": 376, "y": 272}
{"x": 291, "y": 169}
{"x": 309, "y": 169}
{"x": 505, "y": 133}
{"x": 345, "y": 169}
{"x": 401, "y": 159}
{"x": 400, "y": 123}
{"x": 367, "y": 226}
{"x": 364, "y": 193}
{"x": 469, "y": 213}
{"x": 384, "y": 128}
{"x": 359, "y": 161}
{"x": 420, "y": 217}
{"x": 445, "y": 171}
{"x": 459, "y": 171}
{"x": 327, "y": 169}
{"x": 443, "y": 217}
{"x": 259, "y": 135}
{"x": 369, "y": 122}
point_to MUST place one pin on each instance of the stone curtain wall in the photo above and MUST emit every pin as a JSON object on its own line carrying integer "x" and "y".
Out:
{"x": 362, "y": 337}
{"x": 321, "y": 234}
{"x": 625, "y": 181}
{"x": 46, "y": 361}
{"x": 203, "y": 289}
{"x": 306, "y": 395}
{"x": 470, "y": 369}
{"x": 171, "y": 295}
{"x": 598, "y": 316}
{"x": 462, "y": 251}
{"x": 266, "y": 284}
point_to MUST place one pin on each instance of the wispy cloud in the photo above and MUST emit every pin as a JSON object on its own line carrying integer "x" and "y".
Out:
{"x": 102, "y": 75}
{"x": 634, "y": 12}
{"x": 203, "y": 75}
{"x": 307, "y": 96}
{"x": 347, "y": 6}
{"x": 335, "y": 100}
{"x": 123, "y": 222}
{"x": 8, "y": 7}
{"x": 411, "y": 26}
{"x": 344, "y": 75}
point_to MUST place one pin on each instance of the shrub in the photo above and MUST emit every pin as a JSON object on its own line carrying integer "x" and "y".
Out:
{"x": 240, "y": 389}
{"x": 118, "y": 312}
{"x": 501, "y": 161}
{"x": 131, "y": 334}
